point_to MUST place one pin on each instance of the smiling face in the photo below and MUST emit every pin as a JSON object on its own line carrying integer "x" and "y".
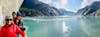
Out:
{"x": 9, "y": 21}
{"x": 18, "y": 17}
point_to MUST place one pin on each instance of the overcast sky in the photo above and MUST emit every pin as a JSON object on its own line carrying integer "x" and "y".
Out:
{"x": 70, "y": 5}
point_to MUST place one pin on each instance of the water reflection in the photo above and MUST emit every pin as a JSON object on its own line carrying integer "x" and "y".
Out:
{"x": 91, "y": 26}
{"x": 63, "y": 27}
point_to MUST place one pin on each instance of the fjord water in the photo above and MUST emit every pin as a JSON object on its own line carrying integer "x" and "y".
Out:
{"x": 62, "y": 26}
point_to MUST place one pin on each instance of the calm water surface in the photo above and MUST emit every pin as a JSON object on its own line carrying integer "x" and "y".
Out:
{"x": 62, "y": 26}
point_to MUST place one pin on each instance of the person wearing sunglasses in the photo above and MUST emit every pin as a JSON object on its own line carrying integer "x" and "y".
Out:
{"x": 10, "y": 29}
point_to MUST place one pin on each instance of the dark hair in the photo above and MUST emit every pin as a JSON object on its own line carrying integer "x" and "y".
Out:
{"x": 19, "y": 14}
{"x": 14, "y": 13}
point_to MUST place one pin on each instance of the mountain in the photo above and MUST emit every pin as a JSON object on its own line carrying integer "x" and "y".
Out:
{"x": 91, "y": 10}
{"x": 65, "y": 12}
{"x": 29, "y": 3}
{"x": 37, "y": 8}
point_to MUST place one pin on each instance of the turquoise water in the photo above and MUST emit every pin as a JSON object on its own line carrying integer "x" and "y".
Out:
{"x": 62, "y": 26}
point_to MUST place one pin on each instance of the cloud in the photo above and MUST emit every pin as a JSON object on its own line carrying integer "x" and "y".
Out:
{"x": 46, "y": 1}
{"x": 87, "y": 2}
{"x": 57, "y": 4}
{"x": 60, "y": 4}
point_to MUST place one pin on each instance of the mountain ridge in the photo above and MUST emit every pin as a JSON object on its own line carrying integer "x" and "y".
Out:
{"x": 90, "y": 10}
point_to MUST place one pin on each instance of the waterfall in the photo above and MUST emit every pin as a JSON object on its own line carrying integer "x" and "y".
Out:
{"x": 1, "y": 17}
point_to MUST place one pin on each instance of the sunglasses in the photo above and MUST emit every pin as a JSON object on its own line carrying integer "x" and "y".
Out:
{"x": 8, "y": 19}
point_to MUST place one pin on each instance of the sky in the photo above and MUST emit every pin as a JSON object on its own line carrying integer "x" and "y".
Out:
{"x": 69, "y": 5}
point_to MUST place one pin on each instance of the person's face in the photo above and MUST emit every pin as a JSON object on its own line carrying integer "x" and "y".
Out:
{"x": 14, "y": 16}
{"x": 19, "y": 17}
{"x": 9, "y": 21}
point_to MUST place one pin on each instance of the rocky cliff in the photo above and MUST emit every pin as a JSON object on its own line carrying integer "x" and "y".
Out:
{"x": 91, "y": 10}
{"x": 37, "y": 8}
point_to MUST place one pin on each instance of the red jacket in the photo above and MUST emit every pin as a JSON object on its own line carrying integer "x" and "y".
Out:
{"x": 11, "y": 31}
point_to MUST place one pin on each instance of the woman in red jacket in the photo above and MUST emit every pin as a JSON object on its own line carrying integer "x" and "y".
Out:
{"x": 10, "y": 29}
